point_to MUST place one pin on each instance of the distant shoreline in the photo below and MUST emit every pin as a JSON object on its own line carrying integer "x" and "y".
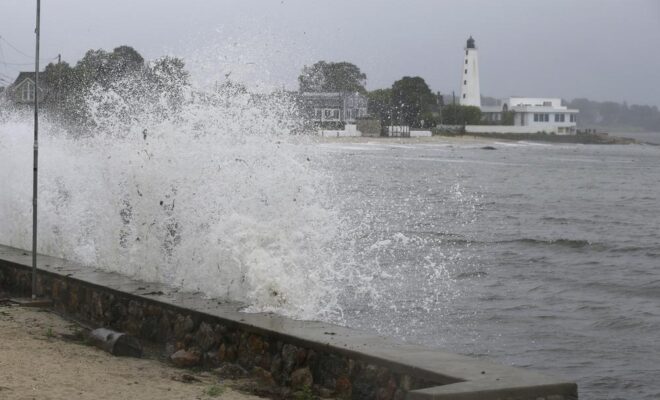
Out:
{"x": 487, "y": 139}
{"x": 584, "y": 138}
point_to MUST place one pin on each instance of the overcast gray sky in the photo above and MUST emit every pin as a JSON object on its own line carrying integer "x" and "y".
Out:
{"x": 600, "y": 49}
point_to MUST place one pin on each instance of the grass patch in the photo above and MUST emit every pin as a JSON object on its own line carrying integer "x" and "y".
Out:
{"x": 215, "y": 390}
{"x": 305, "y": 394}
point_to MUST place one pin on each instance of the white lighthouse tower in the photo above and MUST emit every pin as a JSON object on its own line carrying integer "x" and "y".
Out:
{"x": 470, "y": 93}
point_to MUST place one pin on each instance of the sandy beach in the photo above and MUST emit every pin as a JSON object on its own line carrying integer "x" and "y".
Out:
{"x": 37, "y": 361}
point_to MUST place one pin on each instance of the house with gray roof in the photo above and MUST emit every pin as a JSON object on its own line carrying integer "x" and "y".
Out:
{"x": 22, "y": 90}
{"x": 323, "y": 108}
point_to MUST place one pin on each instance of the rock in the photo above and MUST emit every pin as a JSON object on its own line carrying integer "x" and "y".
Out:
{"x": 230, "y": 371}
{"x": 263, "y": 377}
{"x": 211, "y": 359}
{"x": 135, "y": 309}
{"x": 164, "y": 328}
{"x": 187, "y": 378}
{"x": 276, "y": 368}
{"x": 184, "y": 358}
{"x": 301, "y": 378}
{"x": 170, "y": 349}
{"x": 382, "y": 376}
{"x": 405, "y": 382}
{"x": 182, "y": 326}
{"x": 387, "y": 392}
{"x": 488, "y": 148}
{"x": 343, "y": 387}
{"x": 256, "y": 345}
{"x": 205, "y": 337}
{"x": 227, "y": 353}
{"x": 292, "y": 356}
{"x": 149, "y": 329}
{"x": 263, "y": 361}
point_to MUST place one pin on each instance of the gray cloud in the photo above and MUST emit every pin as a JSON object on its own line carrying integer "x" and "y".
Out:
{"x": 601, "y": 49}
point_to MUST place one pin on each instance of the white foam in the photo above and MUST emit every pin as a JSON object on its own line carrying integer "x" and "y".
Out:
{"x": 223, "y": 199}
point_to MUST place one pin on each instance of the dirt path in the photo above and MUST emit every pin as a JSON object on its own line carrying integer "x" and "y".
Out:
{"x": 36, "y": 362}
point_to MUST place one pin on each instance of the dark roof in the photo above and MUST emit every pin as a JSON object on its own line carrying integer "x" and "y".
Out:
{"x": 470, "y": 43}
{"x": 30, "y": 75}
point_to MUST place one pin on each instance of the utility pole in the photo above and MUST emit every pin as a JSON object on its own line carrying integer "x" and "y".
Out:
{"x": 59, "y": 85}
{"x": 36, "y": 156}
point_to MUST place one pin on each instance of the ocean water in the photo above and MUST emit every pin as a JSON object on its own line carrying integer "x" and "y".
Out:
{"x": 548, "y": 255}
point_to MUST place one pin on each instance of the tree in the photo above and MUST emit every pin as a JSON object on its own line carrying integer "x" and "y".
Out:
{"x": 332, "y": 77}
{"x": 508, "y": 117}
{"x": 104, "y": 68}
{"x": 380, "y": 104}
{"x": 157, "y": 89}
{"x": 126, "y": 59}
{"x": 455, "y": 114}
{"x": 413, "y": 102}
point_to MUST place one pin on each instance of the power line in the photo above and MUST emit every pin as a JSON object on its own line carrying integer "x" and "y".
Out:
{"x": 16, "y": 48}
{"x": 2, "y": 54}
{"x": 3, "y": 60}
{"x": 41, "y": 59}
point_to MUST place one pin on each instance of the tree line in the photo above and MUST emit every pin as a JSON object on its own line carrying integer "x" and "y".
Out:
{"x": 611, "y": 115}
{"x": 410, "y": 101}
{"x": 122, "y": 70}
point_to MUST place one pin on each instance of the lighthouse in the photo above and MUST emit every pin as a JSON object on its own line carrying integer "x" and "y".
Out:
{"x": 470, "y": 93}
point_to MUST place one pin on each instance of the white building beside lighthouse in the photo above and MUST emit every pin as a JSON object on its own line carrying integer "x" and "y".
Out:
{"x": 470, "y": 93}
{"x": 530, "y": 115}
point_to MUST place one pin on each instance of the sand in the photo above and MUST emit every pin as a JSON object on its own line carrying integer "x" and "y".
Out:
{"x": 38, "y": 362}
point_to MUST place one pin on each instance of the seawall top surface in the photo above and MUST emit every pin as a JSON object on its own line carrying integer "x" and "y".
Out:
{"x": 458, "y": 377}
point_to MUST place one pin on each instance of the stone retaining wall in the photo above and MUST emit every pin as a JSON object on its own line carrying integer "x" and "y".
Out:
{"x": 331, "y": 360}
{"x": 209, "y": 342}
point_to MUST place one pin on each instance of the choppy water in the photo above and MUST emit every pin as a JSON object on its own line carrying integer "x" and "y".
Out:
{"x": 551, "y": 254}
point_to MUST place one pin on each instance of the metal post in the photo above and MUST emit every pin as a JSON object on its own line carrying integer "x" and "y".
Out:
{"x": 36, "y": 156}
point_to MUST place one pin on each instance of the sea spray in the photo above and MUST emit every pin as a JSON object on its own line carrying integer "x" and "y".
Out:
{"x": 224, "y": 197}
{"x": 221, "y": 191}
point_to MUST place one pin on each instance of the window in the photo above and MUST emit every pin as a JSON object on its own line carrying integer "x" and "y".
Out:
{"x": 318, "y": 113}
{"x": 541, "y": 117}
{"x": 466, "y": 61}
{"x": 559, "y": 118}
{"x": 331, "y": 114}
{"x": 466, "y": 71}
{"x": 573, "y": 118}
{"x": 27, "y": 91}
{"x": 465, "y": 82}
{"x": 463, "y": 95}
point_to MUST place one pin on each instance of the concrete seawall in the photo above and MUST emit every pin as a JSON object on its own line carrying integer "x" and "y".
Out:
{"x": 345, "y": 363}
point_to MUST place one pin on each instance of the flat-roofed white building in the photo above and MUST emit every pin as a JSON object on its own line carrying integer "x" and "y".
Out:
{"x": 544, "y": 114}
{"x": 530, "y": 114}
